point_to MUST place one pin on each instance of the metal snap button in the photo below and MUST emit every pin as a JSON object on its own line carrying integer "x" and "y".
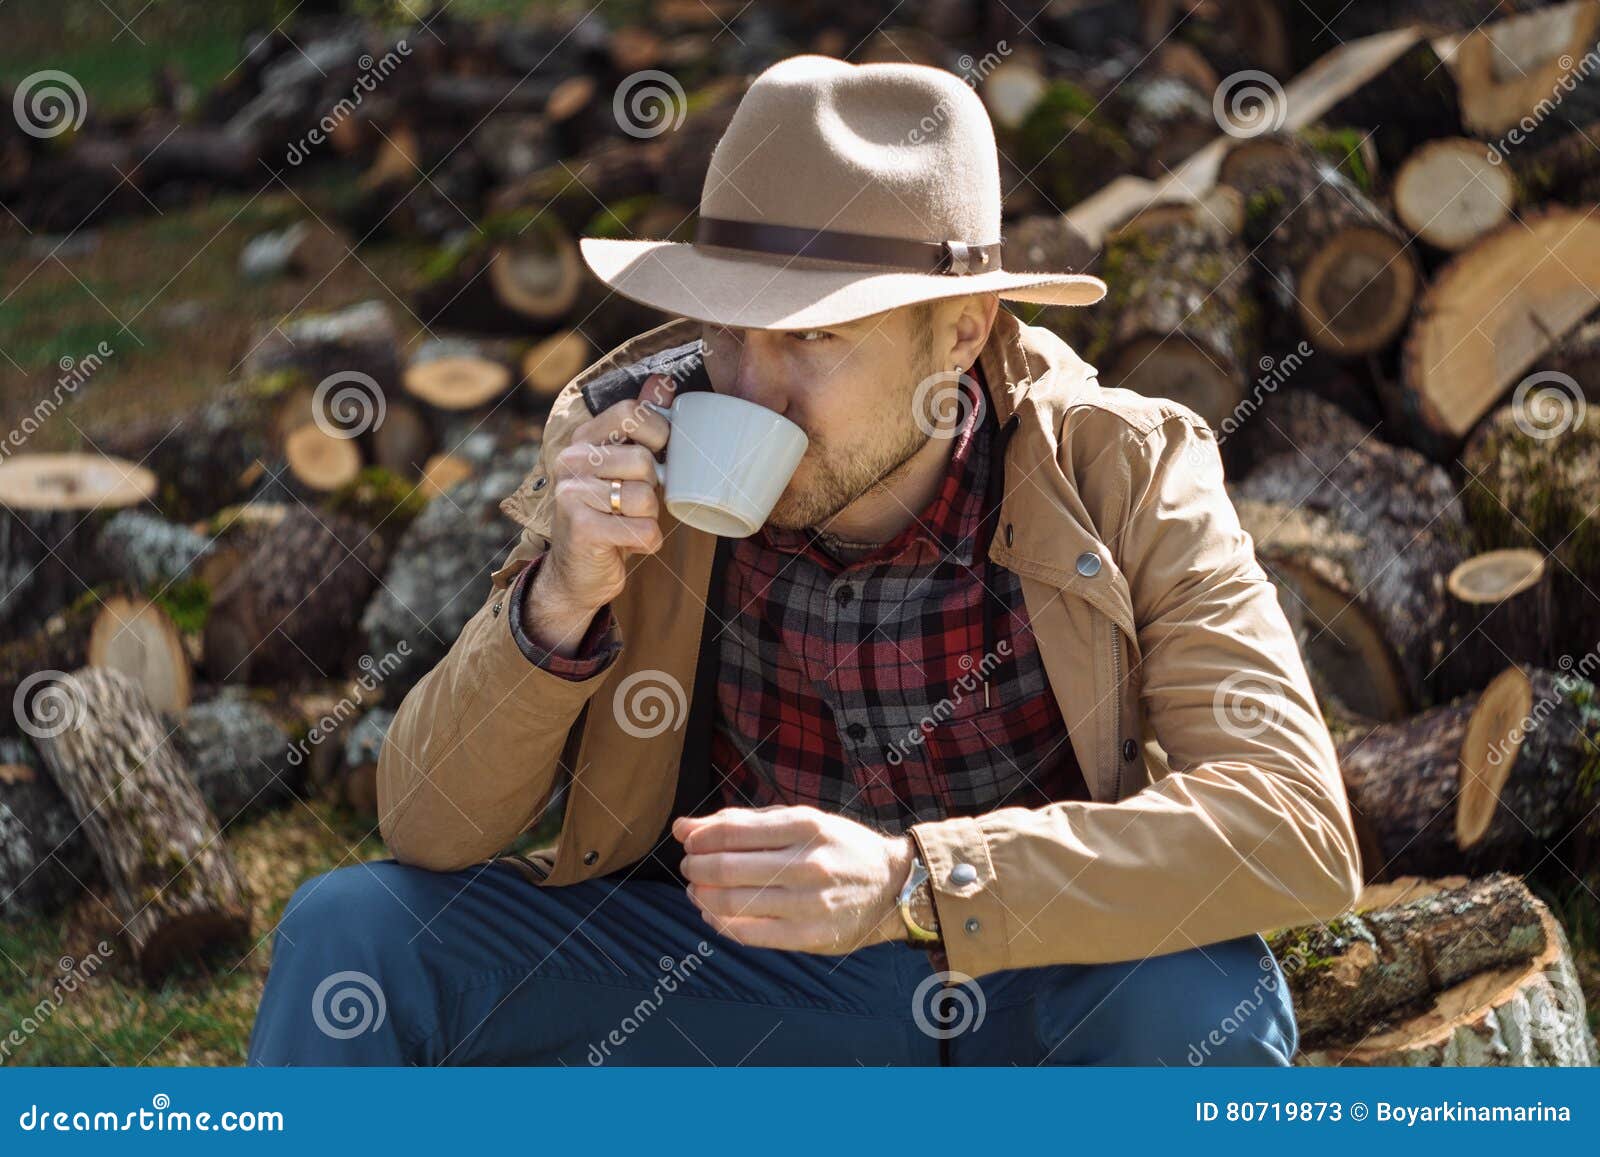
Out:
{"x": 590, "y": 857}
{"x": 538, "y": 483}
{"x": 963, "y": 874}
{"x": 1008, "y": 534}
{"x": 972, "y": 925}
{"x": 1088, "y": 564}
{"x": 496, "y": 608}
{"x": 1129, "y": 749}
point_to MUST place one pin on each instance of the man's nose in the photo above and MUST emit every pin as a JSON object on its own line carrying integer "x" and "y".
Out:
{"x": 756, "y": 375}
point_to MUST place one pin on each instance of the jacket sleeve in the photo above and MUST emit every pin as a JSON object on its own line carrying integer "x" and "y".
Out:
{"x": 471, "y": 758}
{"x": 1250, "y": 831}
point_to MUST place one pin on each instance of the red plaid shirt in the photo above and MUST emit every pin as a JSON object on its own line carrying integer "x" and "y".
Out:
{"x": 882, "y": 689}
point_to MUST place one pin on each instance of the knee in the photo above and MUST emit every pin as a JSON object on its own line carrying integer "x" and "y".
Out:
{"x": 1223, "y": 1004}
{"x": 358, "y": 910}
{"x": 1227, "y": 1004}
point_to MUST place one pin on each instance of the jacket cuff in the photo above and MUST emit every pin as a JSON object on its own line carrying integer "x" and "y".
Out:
{"x": 973, "y": 921}
{"x": 597, "y": 650}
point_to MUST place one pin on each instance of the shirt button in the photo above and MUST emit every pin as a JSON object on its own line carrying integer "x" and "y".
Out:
{"x": 1129, "y": 749}
{"x": 495, "y": 609}
{"x": 843, "y": 595}
{"x": 972, "y": 925}
{"x": 855, "y": 731}
{"x": 1088, "y": 564}
{"x": 963, "y": 874}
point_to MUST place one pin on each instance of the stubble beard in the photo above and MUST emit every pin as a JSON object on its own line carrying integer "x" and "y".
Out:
{"x": 831, "y": 479}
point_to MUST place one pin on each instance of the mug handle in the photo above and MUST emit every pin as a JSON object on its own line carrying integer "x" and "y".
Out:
{"x": 661, "y": 467}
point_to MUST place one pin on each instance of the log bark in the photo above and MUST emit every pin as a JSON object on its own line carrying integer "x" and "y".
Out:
{"x": 1533, "y": 481}
{"x": 51, "y": 508}
{"x": 1180, "y": 320}
{"x": 1366, "y": 538}
{"x": 1356, "y": 969}
{"x": 1335, "y": 260}
{"x": 288, "y": 613}
{"x": 45, "y": 858}
{"x": 1500, "y": 780}
{"x": 357, "y": 786}
{"x": 353, "y": 343}
{"x": 437, "y": 577}
{"x": 1522, "y": 67}
{"x": 173, "y": 882}
{"x": 1501, "y": 611}
{"x": 147, "y": 553}
{"x": 238, "y": 756}
{"x": 1527, "y": 1013}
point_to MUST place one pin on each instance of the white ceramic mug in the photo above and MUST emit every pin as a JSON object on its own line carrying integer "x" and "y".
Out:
{"x": 728, "y": 461}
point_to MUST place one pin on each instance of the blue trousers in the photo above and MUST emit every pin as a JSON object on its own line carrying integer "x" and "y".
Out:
{"x": 386, "y": 964}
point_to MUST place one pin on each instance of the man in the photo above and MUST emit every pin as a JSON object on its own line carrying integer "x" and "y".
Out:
{"x": 993, "y": 746}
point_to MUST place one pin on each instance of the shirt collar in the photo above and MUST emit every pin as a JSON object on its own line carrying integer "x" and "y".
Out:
{"x": 947, "y": 527}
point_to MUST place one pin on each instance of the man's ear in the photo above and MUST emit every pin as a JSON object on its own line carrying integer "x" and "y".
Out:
{"x": 972, "y": 326}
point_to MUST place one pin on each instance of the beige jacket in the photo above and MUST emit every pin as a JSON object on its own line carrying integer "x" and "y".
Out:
{"x": 1217, "y": 807}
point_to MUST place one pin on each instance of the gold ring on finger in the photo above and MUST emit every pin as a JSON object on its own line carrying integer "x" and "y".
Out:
{"x": 616, "y": 496}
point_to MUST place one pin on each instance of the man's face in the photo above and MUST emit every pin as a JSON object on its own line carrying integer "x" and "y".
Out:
{"x": 850, "y": 387}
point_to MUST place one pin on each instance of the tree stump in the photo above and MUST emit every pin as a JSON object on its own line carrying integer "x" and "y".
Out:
{"x": 173, "y": 882}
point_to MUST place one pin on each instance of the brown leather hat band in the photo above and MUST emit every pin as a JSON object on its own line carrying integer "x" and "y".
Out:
{"x": 954, "y": 257}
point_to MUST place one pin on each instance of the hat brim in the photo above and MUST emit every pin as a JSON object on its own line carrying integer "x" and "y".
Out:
{"x": 757, "y": 291}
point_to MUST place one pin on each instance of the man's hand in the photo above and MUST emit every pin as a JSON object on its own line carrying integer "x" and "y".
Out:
{"x": 590, "y": 544}
{"x": 796, "y": 878}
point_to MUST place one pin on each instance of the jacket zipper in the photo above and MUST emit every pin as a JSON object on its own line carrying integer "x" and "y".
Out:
{"x": 1116, "y": 706}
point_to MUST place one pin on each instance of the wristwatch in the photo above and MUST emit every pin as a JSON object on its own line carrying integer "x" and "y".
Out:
{"x": 917, "y": 912}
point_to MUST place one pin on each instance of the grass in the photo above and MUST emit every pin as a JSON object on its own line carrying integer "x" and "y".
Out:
{"x": 203, "y": 1013}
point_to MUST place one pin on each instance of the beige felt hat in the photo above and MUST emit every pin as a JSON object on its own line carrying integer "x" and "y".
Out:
{"x": 838, "y": 191}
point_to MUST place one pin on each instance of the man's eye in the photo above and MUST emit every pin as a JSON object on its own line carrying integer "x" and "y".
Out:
{"x": 810, "y": 334}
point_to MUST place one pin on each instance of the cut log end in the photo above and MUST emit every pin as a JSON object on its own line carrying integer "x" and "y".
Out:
{"x": 1449, "y": 193}
{"x": 554, "y": 362}
{"x": 1496, "y": 575}
{"x": 321, "y": 460}
{"x": 1176, "y": 368}
{"x": 1356, "y": 292}
{"x": 136, "y": 637}
{"x": 1489, "y": 751}
{"x": 73, "y": 482}
{"x": 460, "y": 381}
